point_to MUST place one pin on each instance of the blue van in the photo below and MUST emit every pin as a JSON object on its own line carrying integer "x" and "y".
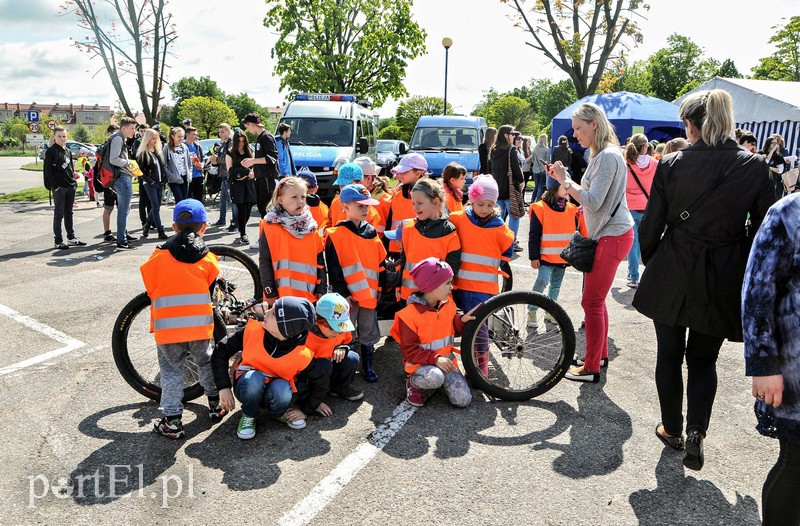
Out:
{"x": 443, "y": 139}
{"x": 329, "y": 130}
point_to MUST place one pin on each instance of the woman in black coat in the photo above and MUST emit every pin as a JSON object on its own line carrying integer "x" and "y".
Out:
{"x": 243, "y": 188}
{"x": 693, "y": 279}
{"x": 499, "y": 166}
{"x": 485, "y": 147}
{"x": 151, "y": 161}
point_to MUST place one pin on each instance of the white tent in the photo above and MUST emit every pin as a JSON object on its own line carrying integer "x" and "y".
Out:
{"x": 762, "y": 106}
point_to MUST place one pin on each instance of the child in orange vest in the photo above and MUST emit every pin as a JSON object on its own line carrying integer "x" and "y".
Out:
{"x": 274, "y": 355}
{"x": 411, "y": 168}
{"x": 486, "y": 241}
{"x": 454, "y": 177}
{"x": 430, "y": 234}
{"x": 378, "y": 187}
{"x": 329, "y": 339}
{"x": 553, "y": 221}
{"x": 290, "y": 256}
{"x": 349, "y": 173}
{"x": 176, "y": 277}
{"x": 355, "y": 258}
{"x": 319, "y": 210}
{"x": 426, "y": 329}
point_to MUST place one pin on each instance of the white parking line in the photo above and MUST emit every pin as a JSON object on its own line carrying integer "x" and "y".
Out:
{"x": 70, "y": 343}
{"x": 323, "y": 493}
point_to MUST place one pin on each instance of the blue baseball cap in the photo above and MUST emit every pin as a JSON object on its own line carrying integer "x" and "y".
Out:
{"x": 309, "y": 177}
{"x": 357, "y": 193}
{"x": 194, "y": 207}
{"x": 336, "y": 311}
{"x": 349, "y": 173}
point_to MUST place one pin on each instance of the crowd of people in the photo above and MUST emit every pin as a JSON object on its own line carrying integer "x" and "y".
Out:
{"x": 426, "y": 253}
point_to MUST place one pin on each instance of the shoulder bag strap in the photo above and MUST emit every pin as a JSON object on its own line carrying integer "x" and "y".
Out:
{"x": 635, "y": 178}
{"x": 689, "y": 210}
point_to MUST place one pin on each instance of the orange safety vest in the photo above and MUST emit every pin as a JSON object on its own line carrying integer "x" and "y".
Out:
{"x": 557, "y": 230}
{"x": 361, "y": 261}
{"x": 384, "y": 203}
{"x": 482, "y": 252}
{"x": 180, "y": 303}
{"x": 434, "y": 328}
{"x": 453, "y": 204}
{"x": 418, "y": 247}
{"x": 336, "y": 214}
{"x": 320, "y": 215}
{"x": 402, "y": 209}
{"x": 255, "y": 356}
{"x": 294, "y": 261}
{"x": 323, "y": 347}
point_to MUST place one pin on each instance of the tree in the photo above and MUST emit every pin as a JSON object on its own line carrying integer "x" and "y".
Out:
{"x": 80, "y": 133}
{"x": 728, "y": 70}
{"x": 511, "y": 110}
{"x": 18, "y": 131}
{"x": 344, "y": 46}
{"x": 392, "y": 132}
{"x": 579, "y": 36}
{"x": 242, "y": 104}
{"x": 388, "y": 121}
{"x": 188, "y": 87}
{"x": 206, "y": 113}
{"x": 784, "y": 64}
{"x": 679, "y": 66}
{"x": 623, "y": 76}
{"x": 410, "y": 110}
{"x": 131, "y": 37}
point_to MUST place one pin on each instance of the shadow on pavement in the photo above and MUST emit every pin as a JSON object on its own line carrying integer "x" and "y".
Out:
{"x": 623, "y": 296}
{"x": 678, "y": 499}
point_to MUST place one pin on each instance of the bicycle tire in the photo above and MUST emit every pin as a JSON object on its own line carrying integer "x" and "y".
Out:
{"x": 507, "y": 283}
{"x": 135, "y": 370}
{"x": 224, "y": 251}
{"x": 513, "y": 342}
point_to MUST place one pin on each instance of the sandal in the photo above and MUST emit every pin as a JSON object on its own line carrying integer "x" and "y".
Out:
{"x": 675, "y": 443}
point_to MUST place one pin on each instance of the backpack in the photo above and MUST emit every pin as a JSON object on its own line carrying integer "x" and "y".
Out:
{"x": 105, "y": 172}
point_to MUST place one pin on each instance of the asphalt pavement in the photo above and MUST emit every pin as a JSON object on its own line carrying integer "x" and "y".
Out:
{"x": 78, "y": 446}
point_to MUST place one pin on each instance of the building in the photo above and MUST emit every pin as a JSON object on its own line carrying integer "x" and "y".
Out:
{"x": 69, "y": 114}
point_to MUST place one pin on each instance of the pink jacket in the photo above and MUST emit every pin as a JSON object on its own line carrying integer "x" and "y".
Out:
{"x": 633, "y": 193}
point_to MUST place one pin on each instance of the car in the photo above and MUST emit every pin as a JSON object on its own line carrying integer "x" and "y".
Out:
{"x": 75, "y": 147}
{"x": 209, "y": 145}
{"x": 389, "y": 152}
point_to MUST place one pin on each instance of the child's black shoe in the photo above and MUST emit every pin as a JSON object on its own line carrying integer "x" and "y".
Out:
{"x": 214, "y": 409}
{"x": 170, "y": 428}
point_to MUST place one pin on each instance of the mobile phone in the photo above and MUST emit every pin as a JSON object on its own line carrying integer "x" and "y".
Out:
{"x": 546, "y": 166}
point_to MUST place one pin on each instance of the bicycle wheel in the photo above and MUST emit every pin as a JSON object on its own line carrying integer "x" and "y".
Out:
{"x": 238, "y": 268}
{"x": 506, "y": 283}
{"x": 135, "y": 354}
{"x": 510, "y": 357}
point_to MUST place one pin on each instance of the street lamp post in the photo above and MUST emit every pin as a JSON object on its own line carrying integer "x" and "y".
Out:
{"x": 446, "y": 42}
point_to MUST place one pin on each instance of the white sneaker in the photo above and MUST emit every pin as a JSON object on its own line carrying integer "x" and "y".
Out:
{"x": 75, "y": 242}
{"x": 254, "y": 246}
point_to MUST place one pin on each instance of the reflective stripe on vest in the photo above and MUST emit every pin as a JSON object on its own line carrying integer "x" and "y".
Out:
{"x": 418, "y": 247}
{"x": 438, "y": 344}
{"x": 482, "y": 252}
{"x": 294, "y": 261}
{"x": 480, "y": 260}
{"x": 183, "y": 322}
{"x": 557, "y": 230}
{"x": 254, "y": 355}
{"x": 556, "y": 237}
{"x": 181, "y": 300}
{"x": 285, "y": 264}
{"x": 434, "y": 328}
{"x": 361, "y": 260}
{"x": 474, "y": 275}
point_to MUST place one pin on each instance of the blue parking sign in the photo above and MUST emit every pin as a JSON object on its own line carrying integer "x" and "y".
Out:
{"x": 33, "y": 116}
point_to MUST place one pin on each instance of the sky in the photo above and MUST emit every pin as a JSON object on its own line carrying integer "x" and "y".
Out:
{"x": 39, "y": 62}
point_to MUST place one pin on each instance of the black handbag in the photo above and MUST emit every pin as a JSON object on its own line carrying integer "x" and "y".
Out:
{"x": 579, "y": 253}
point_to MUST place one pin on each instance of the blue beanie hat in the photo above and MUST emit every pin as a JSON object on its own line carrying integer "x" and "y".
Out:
{"x": 552, "y": 183}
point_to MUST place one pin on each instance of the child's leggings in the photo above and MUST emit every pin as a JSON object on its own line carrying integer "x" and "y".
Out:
{"x": 455, "y": 385}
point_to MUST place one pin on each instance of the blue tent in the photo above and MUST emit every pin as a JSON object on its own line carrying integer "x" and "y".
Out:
{"x": 625, "y": 110}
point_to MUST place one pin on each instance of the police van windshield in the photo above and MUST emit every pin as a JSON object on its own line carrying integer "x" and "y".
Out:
{"x": 445, "y": 139}
{"x": 316, "y": 131}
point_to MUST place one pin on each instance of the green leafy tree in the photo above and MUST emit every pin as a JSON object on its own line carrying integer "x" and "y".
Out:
{"x": 392, "y": 132}
{"x": 551, "y": 97}
{"x": 131, "y": 38}
{"x": 206, "y": 113}
{"x": 580, "y": 37}
{"x": 624, "y": 76}
{"x": 728, "y": 70}
{"x": 344, "y": 46}
{"x": 98, "y": 133}
{"x": 8, "y": 124}
{"x": 410, "y": 110}
{"x": 514, "y": 111}
{"x": 80, "y": 133}
{"x": 188, "y": 87}
{"x": 389, "y": 121}
{"x": 784, "y": 64}
{"x": 242, "y": 104}
{"x": 18, "y": 131}
{"x": 679, "y": 66}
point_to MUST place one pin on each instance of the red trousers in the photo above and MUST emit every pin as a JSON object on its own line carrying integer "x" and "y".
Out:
{"x": 611, "y": 251}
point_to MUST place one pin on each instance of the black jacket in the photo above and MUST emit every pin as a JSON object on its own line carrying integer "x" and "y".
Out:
{"x": 58, "y": 171}
{"x": 499, "y": 167}
{"x": 153, "y": 171}
{"x": 186, "y": 247}
{"x": 695, "y": 271}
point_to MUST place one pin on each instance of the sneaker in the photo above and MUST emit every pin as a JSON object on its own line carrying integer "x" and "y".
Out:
{"x": 246, "y": 428}
{"x": 293, "y": 424}
{"x": 124, "y": 246}
{"x": 348, "y": 393}
{"x": 253, "y": 246}
{"x": 129, "y": 237}
{"x": 108, "y": 236}
{"x": 533, "y": 318}
{"x": 214, "y": 409}
{"x": 219, "y": 223}
{"x": 414, "y": 395}
{"x": 243, "y": 240}
{"x": 162, "y": 235}
{"x": 579, "y": 374}
{"x": 578, "y": 362}
{"x": 170, "y": 428}
{"x": 693, "y": 458}
{"x": 517, "y": 247}
{"x": 61, "y": 246}
{"x": 633, "y": 284}
{"x": 232, "y": 227}
{"x": 75, "y": 242}
{"x": 99, "y": 204}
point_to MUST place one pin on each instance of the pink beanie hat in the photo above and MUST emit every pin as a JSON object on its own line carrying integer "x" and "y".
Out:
{"x": 430, "y": 273}
{"x": 483, "y": 187}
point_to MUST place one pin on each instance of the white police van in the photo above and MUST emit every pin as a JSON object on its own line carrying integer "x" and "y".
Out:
{"x": 329, "y": 130}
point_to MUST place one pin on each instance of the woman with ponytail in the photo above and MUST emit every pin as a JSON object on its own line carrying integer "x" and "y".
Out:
{"x": 641, "y": 169}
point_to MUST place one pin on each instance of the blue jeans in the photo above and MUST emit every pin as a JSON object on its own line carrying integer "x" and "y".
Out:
{"x": 634, "y": 256}
{"x": 513, "y": 222}
{"x": 548, "y": 275}
{"x": 154, "y": 193}
{"x": 541, "y": 185}
{"x": 343, "y": 372}
{"x": 180, "y": 191}
{"x": 123, "y": 187}
{"x": 225, "y": 200}
{"x": 254, "y": 394}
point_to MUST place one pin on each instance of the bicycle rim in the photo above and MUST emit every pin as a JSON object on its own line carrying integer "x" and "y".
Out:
{"x": 238, "y": 268}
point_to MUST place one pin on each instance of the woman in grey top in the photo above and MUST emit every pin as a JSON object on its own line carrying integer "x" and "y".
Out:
{"x": 605, "y": 210}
